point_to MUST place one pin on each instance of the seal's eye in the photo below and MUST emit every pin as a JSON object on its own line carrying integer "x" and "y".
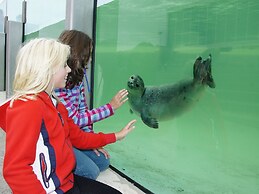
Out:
{"x": 131, "y": 77}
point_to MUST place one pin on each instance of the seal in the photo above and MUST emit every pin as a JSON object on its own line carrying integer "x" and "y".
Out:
{"x": 158, "y": 103}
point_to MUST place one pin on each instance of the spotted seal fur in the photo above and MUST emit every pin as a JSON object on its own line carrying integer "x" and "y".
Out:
{"x": 157, "y": 103}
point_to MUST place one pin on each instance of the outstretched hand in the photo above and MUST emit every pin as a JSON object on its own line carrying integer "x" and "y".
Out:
{"x": 124, "y": 132}
{"x": 119, "y": 99}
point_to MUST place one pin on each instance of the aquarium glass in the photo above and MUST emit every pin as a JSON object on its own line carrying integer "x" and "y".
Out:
{"x": 211, "y": 148}
{"x": 45, "y": 18}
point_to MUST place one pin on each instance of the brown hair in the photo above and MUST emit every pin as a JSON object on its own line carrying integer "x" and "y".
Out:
{"x": 80, "y": 44}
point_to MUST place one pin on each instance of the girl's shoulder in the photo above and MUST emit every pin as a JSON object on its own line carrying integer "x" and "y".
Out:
{"x": 28, "y": 103}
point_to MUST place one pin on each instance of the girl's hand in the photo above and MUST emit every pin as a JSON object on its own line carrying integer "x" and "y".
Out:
{"x": 119, "y": 99}
{"x": 105, "y": 152}
{"x": 128, "y": 128}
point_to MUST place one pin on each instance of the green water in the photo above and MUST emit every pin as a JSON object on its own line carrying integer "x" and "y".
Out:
{"x": 213, "y": 148}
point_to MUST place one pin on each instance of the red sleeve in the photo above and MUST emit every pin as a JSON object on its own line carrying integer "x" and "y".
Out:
{"x": 85, "y": 140}
{"x": 23, "y": 122}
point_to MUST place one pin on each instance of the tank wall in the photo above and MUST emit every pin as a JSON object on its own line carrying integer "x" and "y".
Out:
{"x": 212, "y": 148}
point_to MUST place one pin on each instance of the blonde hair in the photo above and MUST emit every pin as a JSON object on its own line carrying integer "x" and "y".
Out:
{"x": 36, "y": 63}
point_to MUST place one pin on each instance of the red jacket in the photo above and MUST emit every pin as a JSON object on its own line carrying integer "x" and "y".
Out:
{"x": 39, "y": 137}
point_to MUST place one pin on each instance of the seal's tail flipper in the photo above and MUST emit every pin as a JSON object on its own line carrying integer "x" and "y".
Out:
{"x": 202, "y": 71}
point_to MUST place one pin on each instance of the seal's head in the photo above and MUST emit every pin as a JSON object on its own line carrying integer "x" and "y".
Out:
{"x": 135, "y": 84}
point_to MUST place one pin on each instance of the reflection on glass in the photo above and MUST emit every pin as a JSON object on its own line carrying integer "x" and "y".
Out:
{"x": 14, "y": 10}
{"x": 2, "y": 14}
{"x": 45, "y": 18}
{"x": 1, "y": 20}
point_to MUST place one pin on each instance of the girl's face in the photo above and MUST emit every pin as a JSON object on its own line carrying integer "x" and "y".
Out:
{"x": 60, "y": 77}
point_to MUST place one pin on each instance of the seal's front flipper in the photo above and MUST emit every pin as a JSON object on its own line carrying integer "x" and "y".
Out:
{"x": 151, "y": 122}
{"x": 202, "y": 71}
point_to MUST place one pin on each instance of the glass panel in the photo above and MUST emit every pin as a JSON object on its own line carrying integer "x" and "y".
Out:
{"x": 211, "y": 148}
{"x": 14, "y": 10}
{"x": 45, "y": 18}
{"x": 2, "y": 15}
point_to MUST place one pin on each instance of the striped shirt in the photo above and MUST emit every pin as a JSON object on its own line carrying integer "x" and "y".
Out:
{"x": 75, "y": 102}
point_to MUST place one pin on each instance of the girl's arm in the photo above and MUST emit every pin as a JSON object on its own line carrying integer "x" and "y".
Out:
{"x": 84, "y": 140}
{"x": 75, "y": 102}
{"x": 23, "y": 123}
{"x": 91, "y": 116}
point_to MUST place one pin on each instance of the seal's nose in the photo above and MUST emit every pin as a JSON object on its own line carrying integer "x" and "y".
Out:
{"x": 130, "y": 83}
